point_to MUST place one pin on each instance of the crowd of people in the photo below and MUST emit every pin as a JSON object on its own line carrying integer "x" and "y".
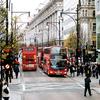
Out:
{"x": 89, "y": 70}
{"x": 92, "y": 69}
{"x": 9, "y": 67}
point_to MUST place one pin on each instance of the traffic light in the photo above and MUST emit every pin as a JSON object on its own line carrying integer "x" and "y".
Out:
{"x": 84, "y": 53}
{"x": 96, "y": 53}
{"x": 84, "y": 56}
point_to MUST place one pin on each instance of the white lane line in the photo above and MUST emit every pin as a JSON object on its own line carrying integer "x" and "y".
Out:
{"x": 42, "y": 72}
{"x": 80, "y": 85}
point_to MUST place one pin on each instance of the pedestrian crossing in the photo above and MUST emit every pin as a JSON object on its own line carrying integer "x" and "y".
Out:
{"x": 46, "y": 86}
{"x": 50, "y": 86}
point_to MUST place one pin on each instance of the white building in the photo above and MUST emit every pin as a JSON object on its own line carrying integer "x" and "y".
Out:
{"x": 86, "y": 20}
{"x": 97, "y": 2}
{"x": 47, "y": 16}
{"x": 88, "y": 23}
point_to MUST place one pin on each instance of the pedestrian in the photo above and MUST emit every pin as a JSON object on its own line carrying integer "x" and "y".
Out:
{"x": 9, "y": 60}
{"x": 96, "y": 72}
{"x": 0, "y": 89}
{"x": 88, "y": 70}
{"x": 87, "y": 85}
{"x": 16, "y": 67}
{"x": 82, "y": 69}
{"x": 78, "y": 70}
{"x": 7, "y": 73}
{"x": 71, "y": 70}
{"x": 5, "y": 91}
{"x": 93, "y": 70}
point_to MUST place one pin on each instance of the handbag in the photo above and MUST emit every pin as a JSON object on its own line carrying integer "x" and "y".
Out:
{"x": 6, "y": 90}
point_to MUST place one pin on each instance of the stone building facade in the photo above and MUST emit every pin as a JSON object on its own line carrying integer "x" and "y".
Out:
{"x": 86, "y": 18}
{"x": 87, "y": 22}
{"x": 97, "y": 2}
{"x": 46, "y": 25}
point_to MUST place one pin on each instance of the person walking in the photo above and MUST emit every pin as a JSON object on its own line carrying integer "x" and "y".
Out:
{"x": 87, "y": 85}
{"x": 16, "y": 67}
{"x": 5, "y": 91}
{"x": 97, "y": 72}
{"x": 88, "y": 70}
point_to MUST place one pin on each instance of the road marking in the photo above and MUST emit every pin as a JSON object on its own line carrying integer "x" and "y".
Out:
{"x": 42, "y": 72}
{"x": 80, "y": 85}
{"x": 50, "y": 86}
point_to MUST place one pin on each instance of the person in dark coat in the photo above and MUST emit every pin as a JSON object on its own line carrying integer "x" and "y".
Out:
{"x": 97, "y": 72}
{"x": 87, "y": 85}
{"x": 8, "y": 71}
{"x": 16, "y": 67}
{"x": 88, "y": 70}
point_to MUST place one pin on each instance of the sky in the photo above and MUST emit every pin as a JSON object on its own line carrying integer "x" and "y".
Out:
{"x": 28, "y": 5}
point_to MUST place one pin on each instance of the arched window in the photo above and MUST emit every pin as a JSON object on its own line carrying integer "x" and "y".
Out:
{"x": 85, "y": 12}
{"x": 89, "y": 2}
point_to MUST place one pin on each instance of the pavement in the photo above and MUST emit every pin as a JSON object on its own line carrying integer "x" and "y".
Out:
{"x": 17, "y": 95}
{"x": 95, "y": 83}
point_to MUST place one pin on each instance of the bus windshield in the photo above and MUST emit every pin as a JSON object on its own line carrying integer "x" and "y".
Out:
{"x": 58, "y": 64}
{"x": 58, "y": 61}
{"x": 58, "y": 56}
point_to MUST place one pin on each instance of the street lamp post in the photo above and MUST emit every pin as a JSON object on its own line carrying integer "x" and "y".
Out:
{"x": 42, "y": 36}
{"x": 41, "y": 30}
{"x": 7, "y": 23}
{"x": 2, "y": 35}
{"x": 59, "y": 33}
{"x": 77, "y": 26}
{"x": 48, "y": 33}
{"x": 21, "y": 13}
{"x": 11, "y": 24}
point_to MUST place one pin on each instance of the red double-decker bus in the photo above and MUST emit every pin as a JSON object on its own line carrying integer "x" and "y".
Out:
{"x": 54, "y": 61}
{"x": 29, "y": 58}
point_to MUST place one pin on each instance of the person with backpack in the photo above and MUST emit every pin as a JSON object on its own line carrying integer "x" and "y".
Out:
{"x": 5, "y": 91}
